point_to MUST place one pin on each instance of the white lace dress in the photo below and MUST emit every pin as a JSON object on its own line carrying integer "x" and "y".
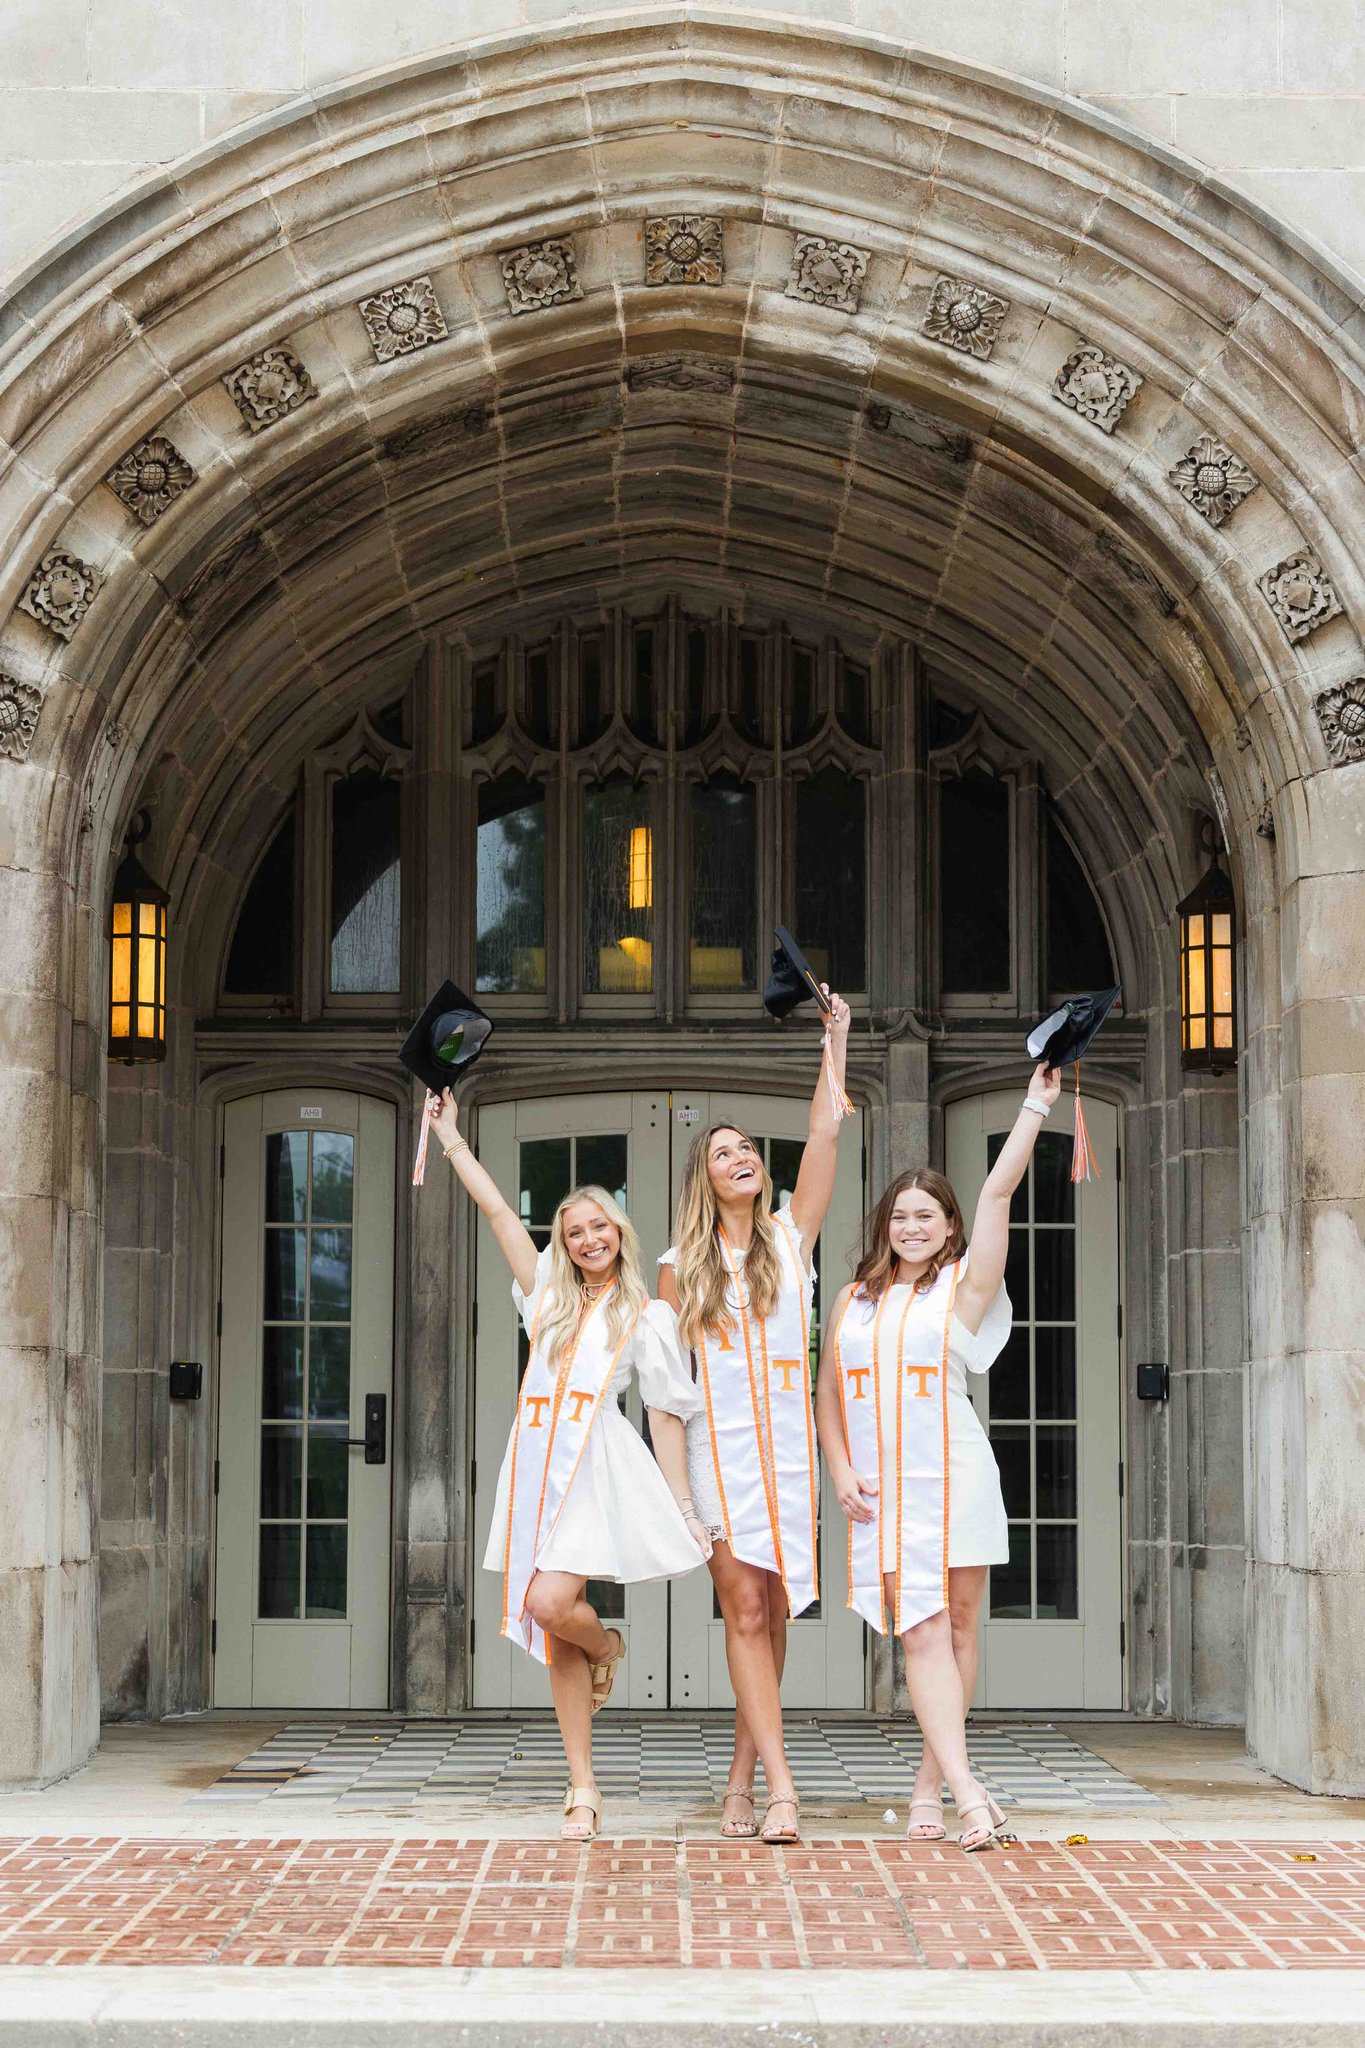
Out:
{"x": 701, "y": 1469}
{"x": 619, "y": 1520}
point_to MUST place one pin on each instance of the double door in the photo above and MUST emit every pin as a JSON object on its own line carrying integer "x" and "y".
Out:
{"x": 635, "y": 1146}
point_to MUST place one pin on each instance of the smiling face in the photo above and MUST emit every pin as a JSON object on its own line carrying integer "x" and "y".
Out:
{"x": 733, "y": 1166}
{"x": 592, "y": 1240}
{"x": 918, "y": 1228}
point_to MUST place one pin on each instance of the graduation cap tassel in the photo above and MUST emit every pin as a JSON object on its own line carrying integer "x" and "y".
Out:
{"x": 419, "y": 1171}
{"x": 1083, "y": 1161}
{"x": 842, "y": 1106}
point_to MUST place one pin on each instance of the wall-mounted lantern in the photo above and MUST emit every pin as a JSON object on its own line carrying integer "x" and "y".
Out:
{"x": 1208, "y": 977}
{"x": 137, "y": 958}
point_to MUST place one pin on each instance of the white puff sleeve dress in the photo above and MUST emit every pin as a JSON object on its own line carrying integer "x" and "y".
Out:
{"x": 619, "y": 1520}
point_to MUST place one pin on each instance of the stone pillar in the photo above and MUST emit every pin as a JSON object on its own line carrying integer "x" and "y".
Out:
{"x": 1306, "y": 1232}
{"x": 49, "y": 1281}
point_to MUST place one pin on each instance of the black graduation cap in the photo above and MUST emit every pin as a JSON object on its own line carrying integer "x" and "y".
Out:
{"x": 790, "y": 978}
{"x": 1065, "y": 1035}
{"x": 446, "y": 1039}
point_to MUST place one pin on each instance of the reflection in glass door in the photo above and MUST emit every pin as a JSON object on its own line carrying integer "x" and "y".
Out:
{"x": 301, "y": 1600}
{"x": 1050, "y": 1403}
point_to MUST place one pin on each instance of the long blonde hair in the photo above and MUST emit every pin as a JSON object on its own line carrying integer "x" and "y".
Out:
{"x": 701, "y": 1270}
{"x": 564, "y": 1297}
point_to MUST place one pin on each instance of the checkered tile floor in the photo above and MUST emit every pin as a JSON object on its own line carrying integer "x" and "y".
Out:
{"x": 516, "y": 1762}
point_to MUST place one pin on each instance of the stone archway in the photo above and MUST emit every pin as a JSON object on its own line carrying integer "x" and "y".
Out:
{"x": 798, "y": 314}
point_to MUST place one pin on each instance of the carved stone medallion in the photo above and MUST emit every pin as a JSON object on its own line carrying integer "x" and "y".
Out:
{"x": 826, "y": 273}
{"x": 60, "y": 591}
{"x": 1213, "y": 479}
{"x": 269, "y": 387}
{"x": 1341, "y": 714}
{"x": 403, "y": 318}
{"x": 20, "y": 704}
{"x": 1096, "y": 386}
{"x": 1300, "y": 595}
{"x": 680, "y": 373}
{"x": 964, "y": 316}
{"x": 684, "y": 248}
{"x": 540, "y": 274}
{"x": 150, "y": 478}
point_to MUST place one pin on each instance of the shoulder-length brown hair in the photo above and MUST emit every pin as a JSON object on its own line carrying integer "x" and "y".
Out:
{"x": 878, "y": 1264}
{"x": 701, "y": 1273}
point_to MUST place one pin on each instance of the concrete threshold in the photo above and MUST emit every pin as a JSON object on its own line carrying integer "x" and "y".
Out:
{"x": 356, "y": 2008}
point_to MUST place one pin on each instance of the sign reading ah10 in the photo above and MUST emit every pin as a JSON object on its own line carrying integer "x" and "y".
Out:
{"x": 688, "y": 1115}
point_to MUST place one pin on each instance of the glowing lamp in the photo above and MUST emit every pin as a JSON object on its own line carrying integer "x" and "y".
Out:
{"x": 1208, "y": 947}
{"x": 137, "y": 958}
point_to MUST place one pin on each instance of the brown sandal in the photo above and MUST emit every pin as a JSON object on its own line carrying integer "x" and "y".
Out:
{"x": 787, "y": 1834}
{"x": 739, "y": 1830}
{"x": 603, "y": 1675}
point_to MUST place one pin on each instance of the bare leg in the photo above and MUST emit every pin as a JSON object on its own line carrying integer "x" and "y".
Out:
{"x": 749, "y": 1652}
{"x": 576, "y": 1640}
{"x": 936, "y": 1695}
{"x": 746, "y": 1749}
{"x": 966, "y": 1587}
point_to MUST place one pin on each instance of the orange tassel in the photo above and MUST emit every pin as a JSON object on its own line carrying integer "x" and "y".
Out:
{"x": 1084, "y": 1164}
{"x": 842, "y": 1106}
{"x": 419, "y": 1171}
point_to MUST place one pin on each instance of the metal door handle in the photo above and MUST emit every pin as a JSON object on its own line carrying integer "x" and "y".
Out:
{"x": 374, "y": 1443}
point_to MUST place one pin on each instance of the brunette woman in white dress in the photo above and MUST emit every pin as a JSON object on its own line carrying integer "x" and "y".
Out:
{"x": 742, "y": 1281}
{"x": 579, "y": 1495}
{"x": 910, "y": 1462}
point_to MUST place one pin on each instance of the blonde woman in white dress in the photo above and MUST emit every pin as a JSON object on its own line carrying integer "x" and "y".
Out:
{"x": 742, "y": 1281}
{"x": 910, "y": 1462}
{"x": 579, "y": 1495}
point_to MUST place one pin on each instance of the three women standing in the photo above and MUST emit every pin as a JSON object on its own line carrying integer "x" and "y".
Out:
{"x": 741, "y": 1280}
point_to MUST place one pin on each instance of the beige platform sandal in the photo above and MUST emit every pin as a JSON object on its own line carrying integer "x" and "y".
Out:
{"x": 771, "y": 1832}
{"x": 603, "y": 1675}
{"x": 582, "y": 1796}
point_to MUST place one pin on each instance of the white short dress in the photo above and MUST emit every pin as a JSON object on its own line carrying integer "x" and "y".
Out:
{"x": 978, "y": 1532}
{"x": 619, "y": 1520}
{"x": 701, "y": 1468}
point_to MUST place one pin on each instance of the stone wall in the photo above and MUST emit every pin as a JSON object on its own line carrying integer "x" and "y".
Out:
{"x": 1270, "y": 93}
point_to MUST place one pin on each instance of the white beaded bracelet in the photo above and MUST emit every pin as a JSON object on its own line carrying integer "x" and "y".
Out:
{"x": 1038, "y": 1107}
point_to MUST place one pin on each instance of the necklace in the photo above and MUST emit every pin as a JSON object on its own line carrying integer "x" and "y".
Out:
{"x": 594, "y": 1289}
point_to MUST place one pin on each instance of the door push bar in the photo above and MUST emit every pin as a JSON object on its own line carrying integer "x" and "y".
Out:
{"x": 375, "y": 1439}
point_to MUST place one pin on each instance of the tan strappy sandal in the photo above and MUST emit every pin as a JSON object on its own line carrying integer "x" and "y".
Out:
{"x": 584, "y": 1796}
{"x": 774, "y": 1834}
{"x": 740, "y": 1830}
{"x": 973, "y": 1840}
{"x": 931, "y": 1830}
{"x": 603, "y": 1675}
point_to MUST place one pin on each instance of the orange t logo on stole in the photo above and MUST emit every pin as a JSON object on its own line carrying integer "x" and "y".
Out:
{"x": 787, "y": 1366}
{"x": 925, "y": 1372}
{"x": 539, "y": 1402}
{"x": 860, "y": 1375}
{"x": 581, "y": 1401}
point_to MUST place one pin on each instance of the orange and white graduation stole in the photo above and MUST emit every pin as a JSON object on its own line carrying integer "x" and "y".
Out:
{"x": 556, "y": 1409}
{"x": 760, "y": 1365}
{"x": 897, "y": 1358}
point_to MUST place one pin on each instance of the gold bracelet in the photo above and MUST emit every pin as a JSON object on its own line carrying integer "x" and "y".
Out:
{"x": 460, "y": 1145}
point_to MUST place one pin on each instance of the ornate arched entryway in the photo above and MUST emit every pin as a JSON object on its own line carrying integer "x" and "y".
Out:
{"x": 798, "y": 329}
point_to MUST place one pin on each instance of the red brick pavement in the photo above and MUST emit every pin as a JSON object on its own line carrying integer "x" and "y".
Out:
{"x": 704, "y": 1904}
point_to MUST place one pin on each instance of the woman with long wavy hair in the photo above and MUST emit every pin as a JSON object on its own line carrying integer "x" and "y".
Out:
{"x": 579, "y": 1495}
{"x": 911, "y": 1464}
{"x": 742, "y": 1282}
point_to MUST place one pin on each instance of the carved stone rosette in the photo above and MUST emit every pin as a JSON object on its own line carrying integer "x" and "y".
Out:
{"x": 1213, "y": 479}
{"x": 20, "y": 704}
{"x": 826, "y": 273}
{"x": 540, "y": 274}
{"x": 684, "y": 248}
{"x": 403, "y": 318}
{"x": 1300, "y": 594}
{"x": 269, "y": 387}
{"x": 1341, "y": 714}
{"x": 150, "y": 478}
{"x": 964, "y": 316}
{"x": 1095, "y": 385}
{"x": 60, "y": 592}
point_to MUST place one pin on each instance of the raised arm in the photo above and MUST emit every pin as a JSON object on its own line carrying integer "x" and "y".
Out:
{"x": 854, "y": 1489}
{"x": 815, "y": 1180}
{"x": 515, "y": 1241}
{"x": 990, "y": 1239}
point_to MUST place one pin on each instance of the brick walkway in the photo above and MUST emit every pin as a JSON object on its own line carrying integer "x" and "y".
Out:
{"x": 710, "y": 1905}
